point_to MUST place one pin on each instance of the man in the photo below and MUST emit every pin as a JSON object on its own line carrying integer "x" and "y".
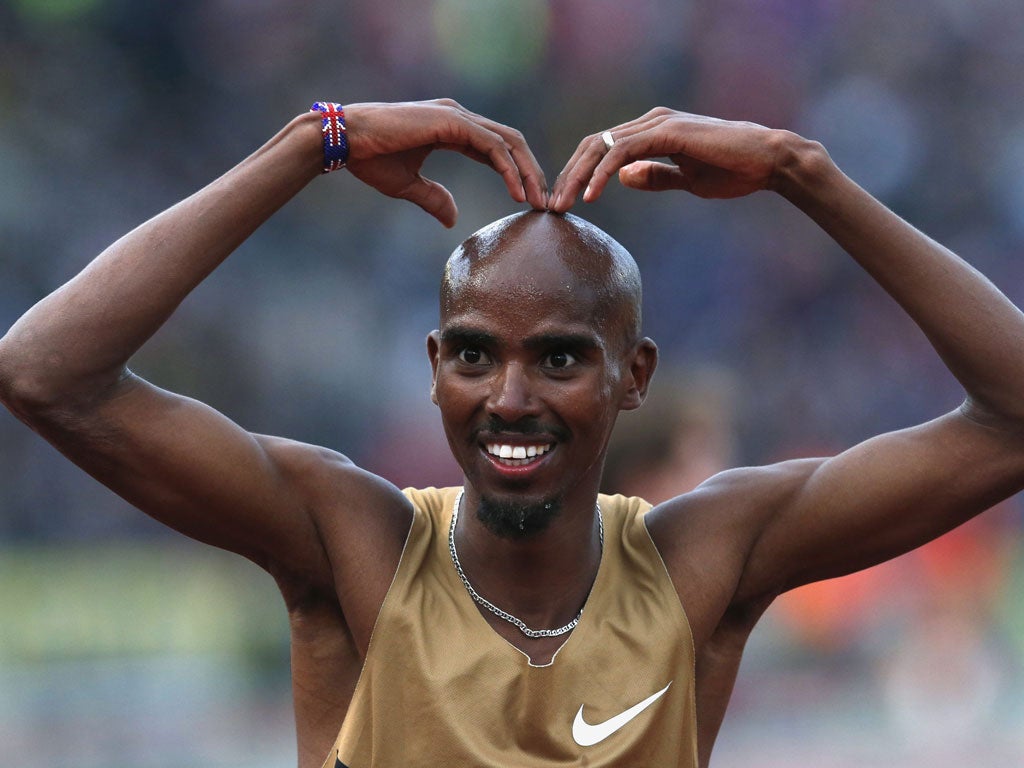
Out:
{"x": 527, "y": 621}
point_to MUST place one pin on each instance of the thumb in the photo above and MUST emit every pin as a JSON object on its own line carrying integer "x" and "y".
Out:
{"x": 652, "y": 176}
{"x": 434, "y": 198}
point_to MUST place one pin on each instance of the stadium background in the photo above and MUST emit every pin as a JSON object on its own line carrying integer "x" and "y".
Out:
{"x": 122, "y": 644}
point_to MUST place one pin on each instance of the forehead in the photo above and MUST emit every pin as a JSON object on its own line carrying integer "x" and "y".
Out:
{"x": 521, "y": 288}
{"x": 517, "y": 273}
{"x": 518, "y": 309}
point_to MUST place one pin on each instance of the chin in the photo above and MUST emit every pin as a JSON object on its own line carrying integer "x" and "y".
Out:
{"x": 517, "y": 518}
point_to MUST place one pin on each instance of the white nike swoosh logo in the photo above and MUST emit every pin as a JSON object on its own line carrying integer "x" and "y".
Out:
{"x": 587, "y": 735}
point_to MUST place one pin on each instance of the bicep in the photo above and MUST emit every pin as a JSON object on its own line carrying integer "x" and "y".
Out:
{"x": 193, "y": 469}
{"x": 879, "y": 499}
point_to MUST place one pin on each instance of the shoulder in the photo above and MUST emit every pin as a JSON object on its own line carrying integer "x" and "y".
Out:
{"x": 706, "y": 536}
{"x": 354, "y": 511}
{"x": 736, "y": 497}
{"x": 326, "y": 479}
{"x": 301, "y": 460}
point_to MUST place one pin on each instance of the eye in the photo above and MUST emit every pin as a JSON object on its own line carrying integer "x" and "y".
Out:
{"x": 473, "y": 356}
{"x": 559, "y": 360}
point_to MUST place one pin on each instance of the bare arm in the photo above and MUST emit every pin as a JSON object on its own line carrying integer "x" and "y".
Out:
{"x": 63, "y": 365}
{"x": 896, "y": 491}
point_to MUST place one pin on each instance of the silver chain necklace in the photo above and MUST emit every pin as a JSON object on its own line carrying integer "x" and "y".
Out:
{"x": 485, "y": 603}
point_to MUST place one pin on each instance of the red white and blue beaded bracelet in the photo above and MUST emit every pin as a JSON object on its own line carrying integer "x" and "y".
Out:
{"x": 335, "y": 139}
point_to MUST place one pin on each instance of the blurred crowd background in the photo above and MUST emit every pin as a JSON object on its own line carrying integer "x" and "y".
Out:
{"x": 121, "y": 644}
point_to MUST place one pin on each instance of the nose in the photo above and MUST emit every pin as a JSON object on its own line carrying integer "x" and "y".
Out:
{"x": 512, "y": 396}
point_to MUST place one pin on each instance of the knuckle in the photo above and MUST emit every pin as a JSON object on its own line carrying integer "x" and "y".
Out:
{"x": 495, "y": 143}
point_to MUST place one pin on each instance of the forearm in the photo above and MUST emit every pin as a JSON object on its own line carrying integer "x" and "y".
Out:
{"x": 77, "y": 341}
{"x": 976, "y": 330}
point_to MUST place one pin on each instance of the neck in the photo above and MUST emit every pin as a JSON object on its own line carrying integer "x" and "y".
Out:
{"x": 544, "y": 578}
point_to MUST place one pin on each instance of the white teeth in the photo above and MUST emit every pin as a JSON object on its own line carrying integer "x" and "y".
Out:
{"x": 517, "y": 454}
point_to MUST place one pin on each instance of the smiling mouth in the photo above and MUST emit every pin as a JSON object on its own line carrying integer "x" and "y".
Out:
{"x": 517, "y": 455}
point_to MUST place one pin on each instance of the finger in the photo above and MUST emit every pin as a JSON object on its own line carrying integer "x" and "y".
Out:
{"x": 432, "y": 197}
{"x": 530, "y": 173}
{"x": 495, "y": 152}
{"x": 467, "y": 151}
{"x": 615, "y": 158}
{"x": 576, "y": 175}
{"x": 652, "y": 176}
{"x": 592, "y": 152}
{"x": 644, "y": 140}
{"x": 532, "y": 177}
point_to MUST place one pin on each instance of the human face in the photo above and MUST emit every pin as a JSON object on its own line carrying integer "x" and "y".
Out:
{"x": 528, "y": 387}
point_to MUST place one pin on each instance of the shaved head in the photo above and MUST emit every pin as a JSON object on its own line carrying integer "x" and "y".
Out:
{"x": 535, "y": 251}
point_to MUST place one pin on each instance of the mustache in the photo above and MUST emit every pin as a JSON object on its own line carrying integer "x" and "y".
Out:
{"x": 528, "y": 425}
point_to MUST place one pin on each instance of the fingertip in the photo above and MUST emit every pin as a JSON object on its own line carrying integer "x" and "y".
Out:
{"x": 444, "y": 210}
{"x": 628, "y": 175}
{"x": 447, "y": 218}
{"x": 538, "y": 195}
{"x": 451, "y": 213}
{"x": 516, "y": 189}
{"x": 554, "y": 196}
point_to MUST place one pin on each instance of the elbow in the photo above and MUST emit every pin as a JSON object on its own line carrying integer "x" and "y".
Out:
{"x": 1009, "y": 420}
{"x": 31, "y": 387}
{"x": 11, "y": 382}
{"x": 22, "y": 391}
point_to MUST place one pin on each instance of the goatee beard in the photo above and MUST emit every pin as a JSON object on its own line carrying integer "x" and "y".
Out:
{"x": 516, "y": 520}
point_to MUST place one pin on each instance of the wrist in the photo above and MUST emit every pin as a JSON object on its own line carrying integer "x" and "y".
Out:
{"x": 299, "y": 145}
{"x": 334, "y": 132}
{"x": 801, "y": 165}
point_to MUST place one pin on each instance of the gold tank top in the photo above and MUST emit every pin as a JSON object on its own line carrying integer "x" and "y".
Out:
{"x": 440, "y": 688}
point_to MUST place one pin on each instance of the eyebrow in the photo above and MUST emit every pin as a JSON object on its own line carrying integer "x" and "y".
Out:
{"x": 462, "y": 335}
{"x": 468, "y": 336}
{"x": 577, "y": 341}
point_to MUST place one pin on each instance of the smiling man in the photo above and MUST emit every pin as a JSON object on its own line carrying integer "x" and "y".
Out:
{"x": 521, "y": 619}
{"x": 539, "y": 316}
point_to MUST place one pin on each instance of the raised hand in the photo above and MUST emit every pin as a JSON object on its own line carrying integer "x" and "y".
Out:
{"x": 389, "y": 142}
{"x": 709, "y": 157}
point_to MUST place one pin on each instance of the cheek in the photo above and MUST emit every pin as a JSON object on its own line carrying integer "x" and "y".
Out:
{"x": 456, "y": 402}
{"x": 587, "y": 402}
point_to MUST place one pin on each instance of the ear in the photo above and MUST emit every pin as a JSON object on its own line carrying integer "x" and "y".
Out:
{"x": 433, "y": 350}
{"x": 641, "y": 362}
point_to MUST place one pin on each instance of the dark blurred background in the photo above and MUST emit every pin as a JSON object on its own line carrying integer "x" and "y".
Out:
{"x": 122, "y": 644}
